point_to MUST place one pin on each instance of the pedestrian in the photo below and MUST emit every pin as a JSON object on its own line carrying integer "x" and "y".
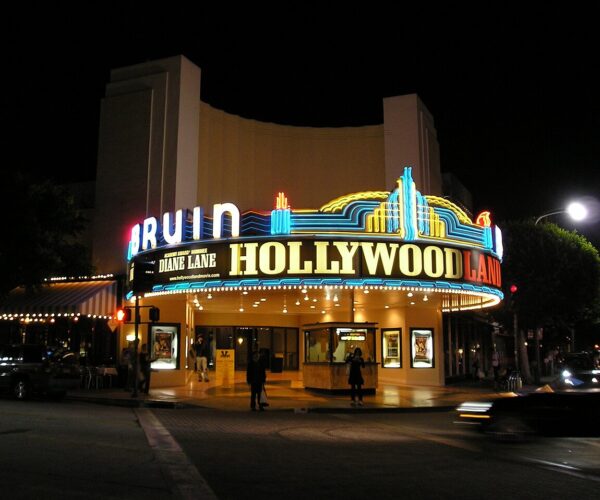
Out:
{"x": 475, "y": 365}
{"x": 145, "y": 370}
{"x": 355, "y": 379}
{"x": 202, "y": 355}
{"x": 127, "y": 360}
{"x": 495, "y": 366}
{"x": 192, "y": 357}
{"x": 256, "y": 376}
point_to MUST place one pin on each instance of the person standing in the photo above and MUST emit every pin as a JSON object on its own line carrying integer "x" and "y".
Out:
{"x": 256, "y": 376}
{"x": 496, "y": 366}
{"x": 202, "y": 354}
{"x": 145, "y": 370}
{"x": 355, "y": 378}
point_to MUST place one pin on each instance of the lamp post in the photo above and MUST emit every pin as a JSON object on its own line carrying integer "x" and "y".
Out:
{"x": 578, "y": 212}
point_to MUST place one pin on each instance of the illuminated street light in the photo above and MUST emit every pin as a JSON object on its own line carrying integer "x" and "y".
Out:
{"x": 575, "y": 210}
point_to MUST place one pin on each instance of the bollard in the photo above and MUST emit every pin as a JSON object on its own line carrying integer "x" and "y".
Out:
{"x": 514, "y": 382}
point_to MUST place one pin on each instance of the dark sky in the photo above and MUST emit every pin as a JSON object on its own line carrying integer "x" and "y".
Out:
{"x": 514, "y": 90}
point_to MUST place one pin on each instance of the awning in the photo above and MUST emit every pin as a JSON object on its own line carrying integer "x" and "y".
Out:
{"x": 85, "y": 298}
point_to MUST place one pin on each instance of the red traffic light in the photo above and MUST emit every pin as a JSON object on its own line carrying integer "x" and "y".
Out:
{"x": 123, "y": 315}
{"x": 513, "y": 288}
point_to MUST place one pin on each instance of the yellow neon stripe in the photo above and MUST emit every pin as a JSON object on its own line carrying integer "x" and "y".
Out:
{"x": 339, "y": 203}
{"x": 442, "y": 202}
{"x": 470, "y": 415}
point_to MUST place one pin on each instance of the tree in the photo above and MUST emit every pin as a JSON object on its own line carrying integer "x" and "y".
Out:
{"x": 40, "y": 233}
{"x": 557, "y": 273}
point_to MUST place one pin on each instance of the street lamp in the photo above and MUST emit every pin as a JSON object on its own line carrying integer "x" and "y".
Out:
{"x": 577, "y": 211}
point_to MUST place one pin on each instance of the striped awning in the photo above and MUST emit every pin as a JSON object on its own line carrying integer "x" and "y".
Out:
{"x": 93, "y": 298}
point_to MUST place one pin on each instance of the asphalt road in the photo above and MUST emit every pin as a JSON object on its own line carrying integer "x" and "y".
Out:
{"x": 77, "y": 450}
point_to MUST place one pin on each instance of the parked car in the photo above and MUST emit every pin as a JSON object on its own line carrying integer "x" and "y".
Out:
{"x": 29, "y": 369}
{"x": 544, "y": 413}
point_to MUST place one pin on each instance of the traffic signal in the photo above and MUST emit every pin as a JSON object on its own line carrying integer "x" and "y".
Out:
{"x": 154, "y": 314}
{"x": 141, "y": 276}
{"x": 512, "y": 299}
{"x": 124, "y": 315}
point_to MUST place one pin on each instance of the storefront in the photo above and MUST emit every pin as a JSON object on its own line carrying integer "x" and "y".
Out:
{"x": 299, "y": 283}
{"x": 72, "y": 313}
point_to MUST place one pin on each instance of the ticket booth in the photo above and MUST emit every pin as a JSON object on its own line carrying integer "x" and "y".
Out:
{"x": 326, "y": 349}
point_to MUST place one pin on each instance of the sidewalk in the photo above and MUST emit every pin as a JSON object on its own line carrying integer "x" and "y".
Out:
{"x": 286, "y": 393}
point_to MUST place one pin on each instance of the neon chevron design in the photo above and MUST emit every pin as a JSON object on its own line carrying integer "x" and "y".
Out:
{"x": 436, "y": 201}
{"x": 404, "y": 213}
{"x": 338, "y": 204}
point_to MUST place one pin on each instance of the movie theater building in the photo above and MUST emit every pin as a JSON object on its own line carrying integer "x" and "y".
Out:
{"x": 303, "y": 242}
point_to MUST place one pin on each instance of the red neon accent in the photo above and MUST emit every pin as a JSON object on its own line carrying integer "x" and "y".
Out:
{"x": 513, "y": 288}
{"x": 483, "y": 219}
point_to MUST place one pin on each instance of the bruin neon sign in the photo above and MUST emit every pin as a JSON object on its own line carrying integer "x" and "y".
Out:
{"x": 146, "y": 236}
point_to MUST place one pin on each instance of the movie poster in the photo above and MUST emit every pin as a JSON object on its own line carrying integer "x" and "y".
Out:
{"x": 164, "y": 343}
{"x": 392, "y": 348}
{"x": 421, "y": 348}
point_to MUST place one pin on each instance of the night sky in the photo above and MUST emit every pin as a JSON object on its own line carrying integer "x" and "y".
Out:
{"x": 515, "y": 93}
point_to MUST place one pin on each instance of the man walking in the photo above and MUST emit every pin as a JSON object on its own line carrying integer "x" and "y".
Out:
{"x": 202, "y": 354}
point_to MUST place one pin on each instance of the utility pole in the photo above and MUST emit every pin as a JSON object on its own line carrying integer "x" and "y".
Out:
{"x": 136, "y": 364}
{"x": 516, "y": 335}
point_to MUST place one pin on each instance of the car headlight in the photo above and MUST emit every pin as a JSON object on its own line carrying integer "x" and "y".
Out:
{"x": 566, "y": 373}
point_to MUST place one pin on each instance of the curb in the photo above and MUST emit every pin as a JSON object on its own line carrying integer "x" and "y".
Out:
{"x": 131, "y": 403}
{"x": 178, "y": 405}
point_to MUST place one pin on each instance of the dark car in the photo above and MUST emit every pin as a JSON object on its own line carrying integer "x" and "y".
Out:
{"x": 543, "y": 413}
{"x": 29, "y": 369}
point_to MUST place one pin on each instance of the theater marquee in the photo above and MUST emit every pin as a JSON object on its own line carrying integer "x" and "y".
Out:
{"x": 400, "y": 239}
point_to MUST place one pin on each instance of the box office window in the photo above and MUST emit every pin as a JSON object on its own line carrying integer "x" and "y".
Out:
{"x": 317, "y": 346}
{"x": 346, "y": 340}
{"x": 334, "y": 344}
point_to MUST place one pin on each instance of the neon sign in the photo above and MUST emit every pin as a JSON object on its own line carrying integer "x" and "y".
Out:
{"x": 392, "y": 239}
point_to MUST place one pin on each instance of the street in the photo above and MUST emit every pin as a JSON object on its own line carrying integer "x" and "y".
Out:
{"x": 76, "y": 450}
